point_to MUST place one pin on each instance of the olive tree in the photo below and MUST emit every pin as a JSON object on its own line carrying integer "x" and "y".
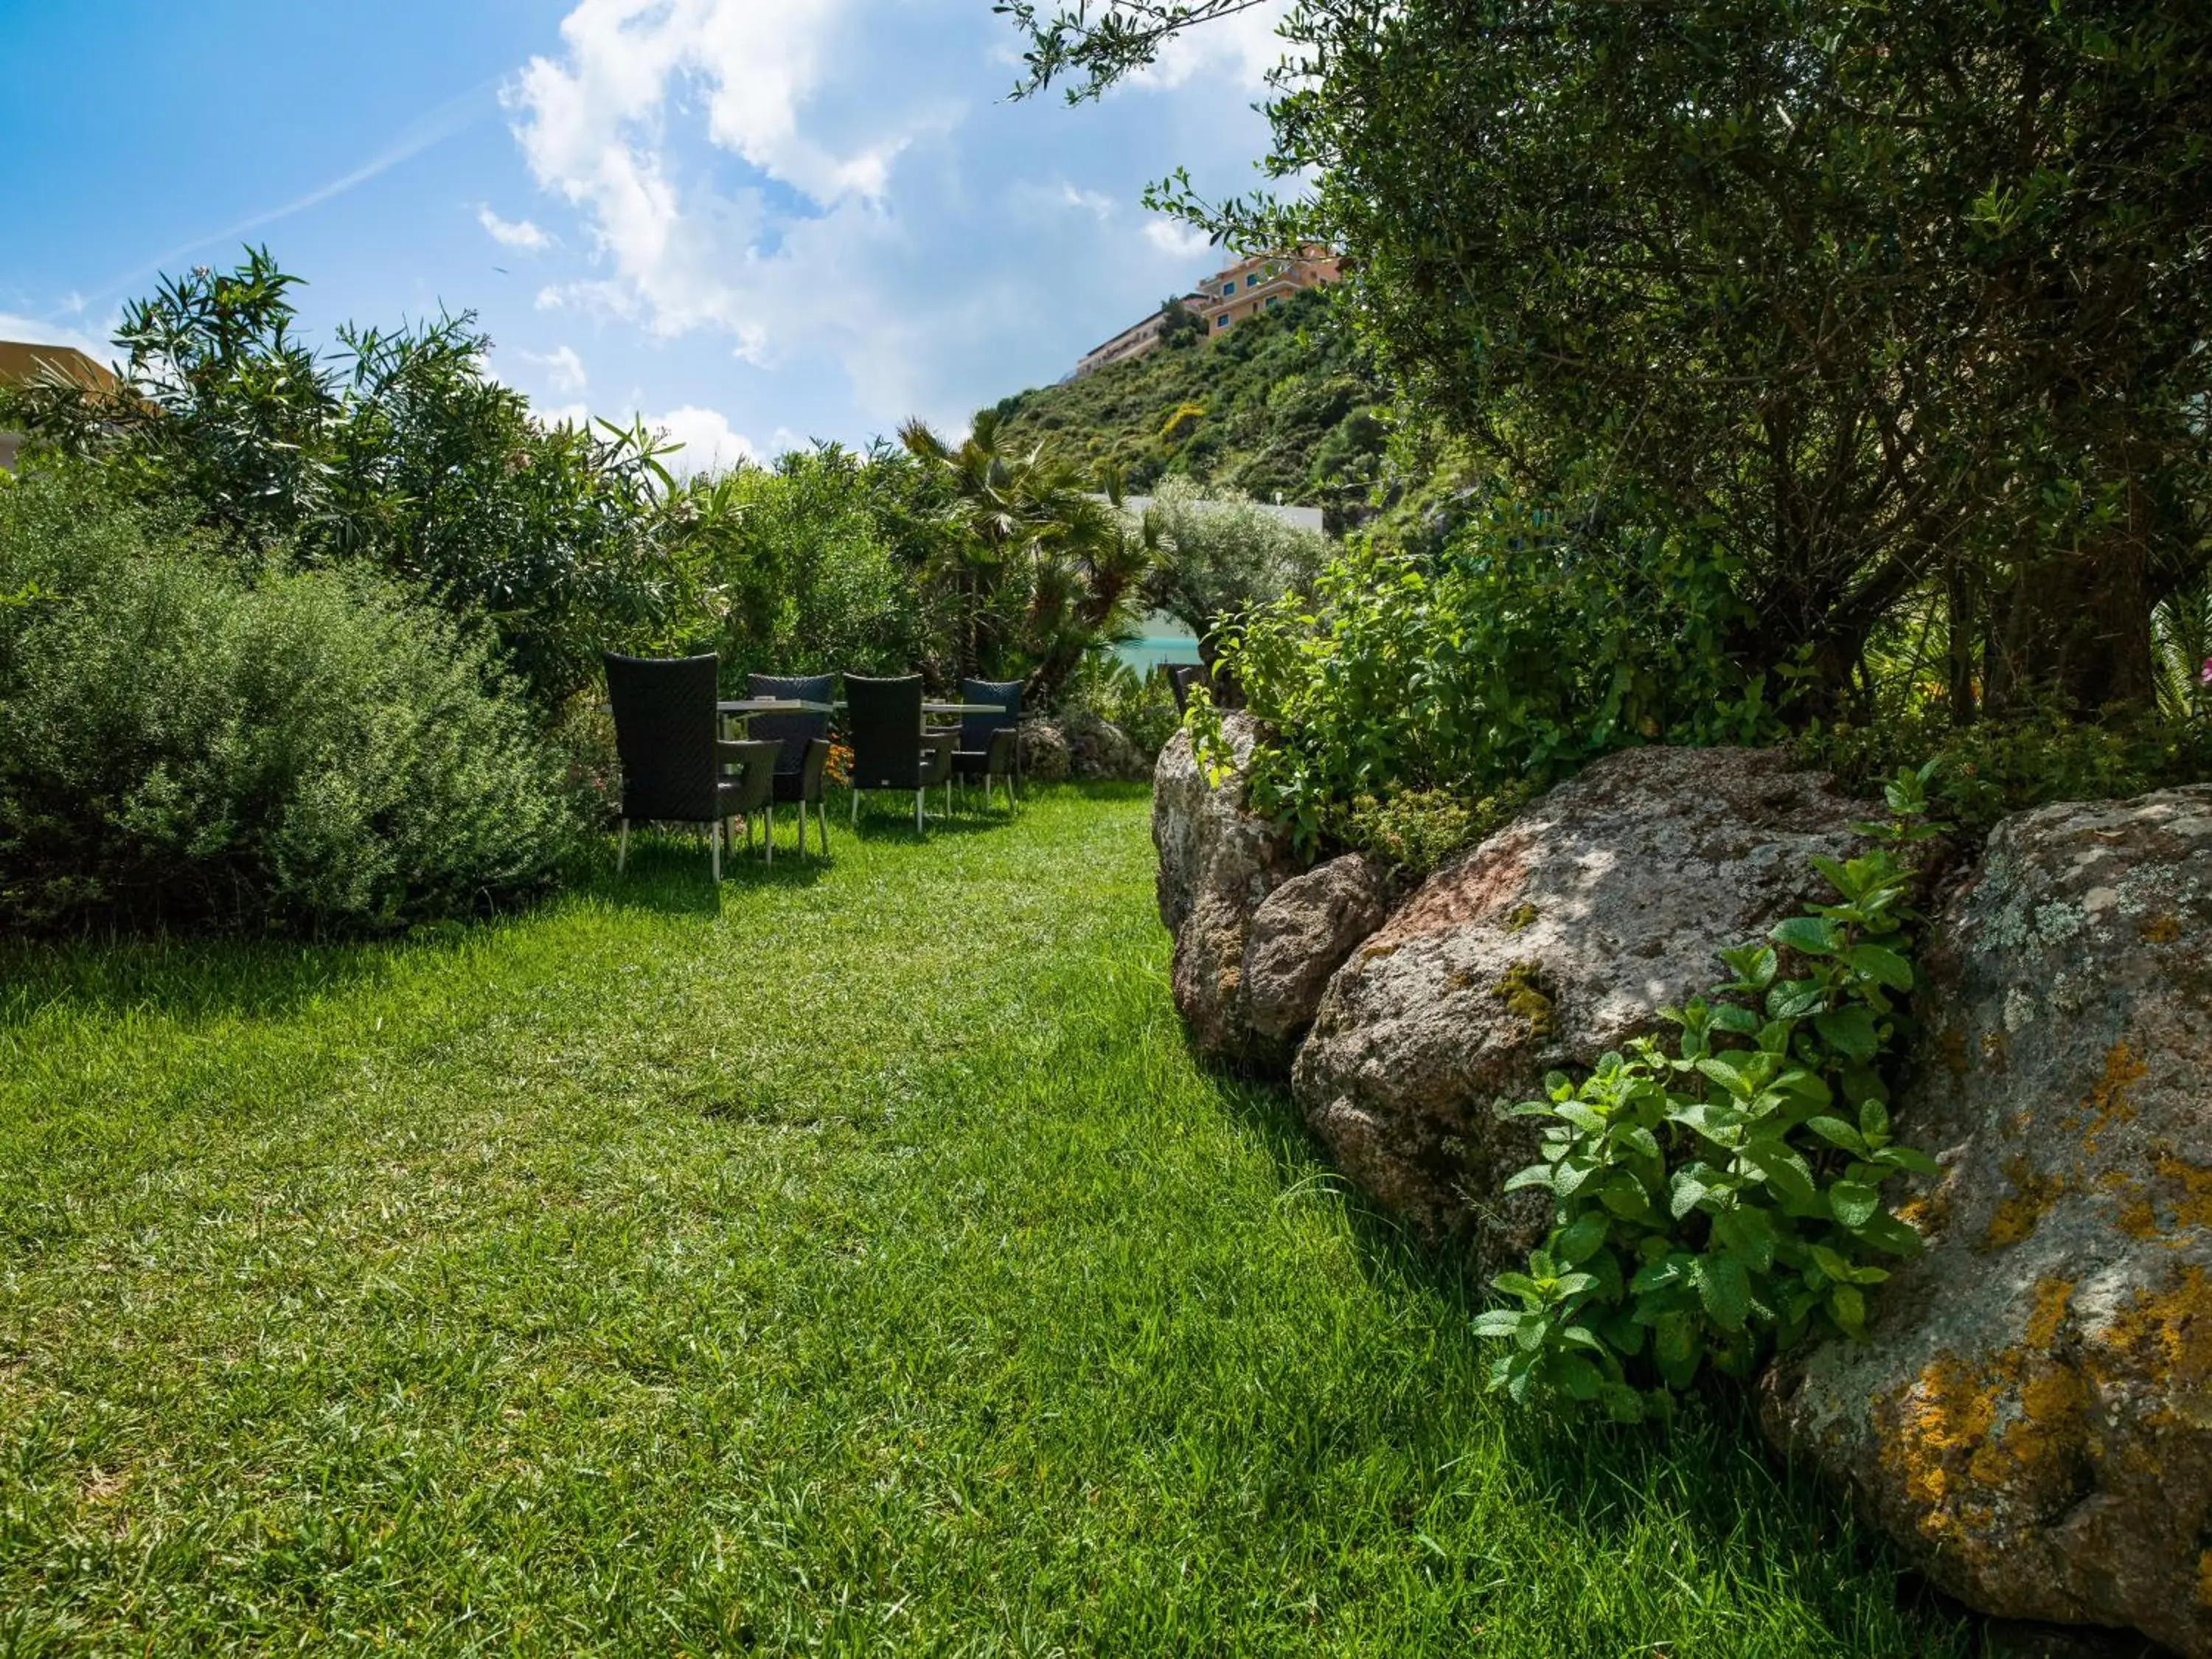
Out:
{"x": 1215, "y": 561}
{"x": 1880, "y": 303}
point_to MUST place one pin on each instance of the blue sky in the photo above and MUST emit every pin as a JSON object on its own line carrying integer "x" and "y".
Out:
{"x": 755, "y": 221}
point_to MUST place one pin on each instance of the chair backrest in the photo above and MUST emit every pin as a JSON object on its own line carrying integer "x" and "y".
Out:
{"x": 793, "y": 732}
{"x": 664, "y": 731}
{"x": 884, "y": 718}
{"x": 1181, "y": 676}
{"x": 975, "y": 729}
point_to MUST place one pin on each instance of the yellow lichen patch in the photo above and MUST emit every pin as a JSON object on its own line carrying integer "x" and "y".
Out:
{"x": 1979, "y": 1449}
{"x": 2204, "y": 1579}
{"x": 2194, "y": 1207}
{"x": 2138, "y": 1217}
{"x": 2165, "y": 1335}
{"x": 2162, "y": 930}
{"x": 2043, "y": 1320}
{"x": 2033, "y": 1193}
{"x": 1520, "y": 916}
{"x": 2108, "y": 1100}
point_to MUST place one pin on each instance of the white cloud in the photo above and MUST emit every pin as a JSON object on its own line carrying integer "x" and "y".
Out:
{"x": 792, "y": 177}
{"x": 565, "y": 369}
{"x": 1244, "y": 44}
{"x": 795, "y": 257}
{"x": 1091, "y": 201}
{"x": 519, "y": 233}
{"x": 709, "y": 444}
{"x": 1174, "y": 237}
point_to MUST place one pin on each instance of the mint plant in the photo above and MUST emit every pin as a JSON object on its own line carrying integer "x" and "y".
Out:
{"x": 1719, "y": 1194}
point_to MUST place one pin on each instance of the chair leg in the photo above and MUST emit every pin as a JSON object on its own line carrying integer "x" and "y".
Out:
{"x": 714, "y": 845}
{"x": 917, "y": 812}
{"x": 771, "y": 832}
{"x": 822, "y": 823}
{"x": 621, "y": 848}
{"x": 802, "y": 828}
{"x": 856, "y": 807}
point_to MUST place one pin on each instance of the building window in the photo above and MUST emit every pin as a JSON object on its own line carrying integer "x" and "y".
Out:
{"x": 1274, "y": 299}
{"x": 1222, "y": 321}
{"x": 1229, "y": 287}
{"x": 1252, "y": 279}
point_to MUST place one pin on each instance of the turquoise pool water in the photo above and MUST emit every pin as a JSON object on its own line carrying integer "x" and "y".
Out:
{"x": 1147, "y": 654}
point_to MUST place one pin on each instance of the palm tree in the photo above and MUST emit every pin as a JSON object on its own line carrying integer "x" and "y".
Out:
{"x": 1039, "y": 564}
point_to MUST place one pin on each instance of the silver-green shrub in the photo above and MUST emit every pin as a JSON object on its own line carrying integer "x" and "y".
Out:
{"x": 185, "y": 741}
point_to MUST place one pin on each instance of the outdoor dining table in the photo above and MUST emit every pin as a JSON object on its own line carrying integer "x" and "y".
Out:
{"x": 744, "y": 709}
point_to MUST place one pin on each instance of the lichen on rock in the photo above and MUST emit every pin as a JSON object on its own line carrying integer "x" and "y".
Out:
{"x": 2032, "y": 1419}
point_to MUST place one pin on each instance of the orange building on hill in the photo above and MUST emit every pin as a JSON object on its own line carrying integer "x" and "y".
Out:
{"x": 1242, "y": 290}
{"x": 1259, "y": 283}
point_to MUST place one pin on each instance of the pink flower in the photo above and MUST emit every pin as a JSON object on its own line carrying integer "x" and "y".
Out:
{"x": 2205, "y": 672}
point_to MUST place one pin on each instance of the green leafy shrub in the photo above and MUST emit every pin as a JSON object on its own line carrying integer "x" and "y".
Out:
{"x": 1720, "y": 1193}
{"x": 184, "y": 740}
{"x": 1521, "y": 651}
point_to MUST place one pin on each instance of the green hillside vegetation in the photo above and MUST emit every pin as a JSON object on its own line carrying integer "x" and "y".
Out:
{"x": 1286, "y": 404}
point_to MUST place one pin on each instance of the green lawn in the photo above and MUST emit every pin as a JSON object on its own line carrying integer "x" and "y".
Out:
{"x": 858, "y": 1264}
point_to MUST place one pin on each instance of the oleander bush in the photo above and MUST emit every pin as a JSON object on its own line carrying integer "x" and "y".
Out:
{"x": 190, "y": 739}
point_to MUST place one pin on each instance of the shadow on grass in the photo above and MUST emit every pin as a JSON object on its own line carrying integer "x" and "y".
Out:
{"x": 671, "y": 874}
{"x": 174, "y": 976}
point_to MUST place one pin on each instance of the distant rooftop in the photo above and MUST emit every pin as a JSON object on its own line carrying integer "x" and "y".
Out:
{"x": 23, "y": 361}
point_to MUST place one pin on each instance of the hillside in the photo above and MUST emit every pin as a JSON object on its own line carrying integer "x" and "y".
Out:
{"x": 1285, "y": 404}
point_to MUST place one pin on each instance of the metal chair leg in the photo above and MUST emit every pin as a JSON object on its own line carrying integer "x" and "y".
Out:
{"x": 714, "y": 843}
{"x": 856, "y": 807}
{"x": 622, "y": 850}
{"x": 822, "y": 823}
{"x": 771, "y": 832}
{"x": 917, "y": 812}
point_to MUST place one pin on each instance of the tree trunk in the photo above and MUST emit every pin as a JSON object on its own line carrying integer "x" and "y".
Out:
{"x": 2077, "y": 631}
{"x": 1960, "y": 630}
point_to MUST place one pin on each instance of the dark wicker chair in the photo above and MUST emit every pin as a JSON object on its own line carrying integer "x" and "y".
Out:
{"x": 891, "y": 750}
{"x": 806, "y": 748}
{"x": 667, "y": 731}
{"x": 1181, "y": 676}
{"x": 989, "y": 746}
